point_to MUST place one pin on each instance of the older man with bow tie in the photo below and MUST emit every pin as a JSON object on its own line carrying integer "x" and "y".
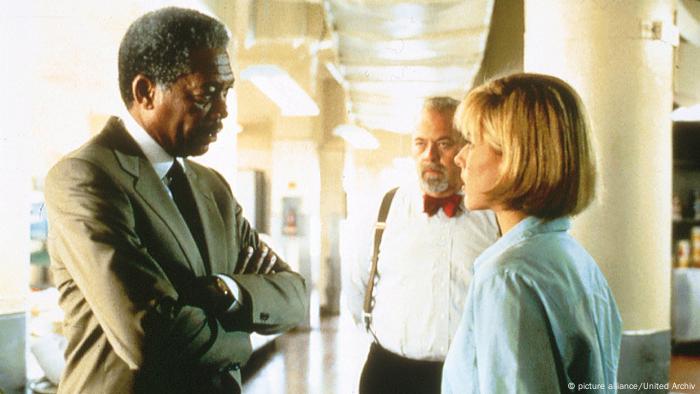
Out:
{"x": 410, "y": 299}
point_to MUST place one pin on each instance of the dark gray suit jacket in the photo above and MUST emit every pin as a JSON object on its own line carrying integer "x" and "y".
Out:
{"x": 123, "y": 261}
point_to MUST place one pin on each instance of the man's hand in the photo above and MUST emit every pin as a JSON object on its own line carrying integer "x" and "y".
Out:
{"x": 209, "y": 293}
{"x": 261, "y": 261}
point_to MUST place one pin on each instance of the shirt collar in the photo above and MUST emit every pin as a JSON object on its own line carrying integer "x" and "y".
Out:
{"x": 156, "y": 155}
{"x": 527, "y": 228}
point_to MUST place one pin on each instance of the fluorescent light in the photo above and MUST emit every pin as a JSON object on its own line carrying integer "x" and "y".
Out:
{"x": 335, "y": 73}
{"x": 356, "y": 136}
{"x": 686, "y": 114}
{"x": 279, "y": 87}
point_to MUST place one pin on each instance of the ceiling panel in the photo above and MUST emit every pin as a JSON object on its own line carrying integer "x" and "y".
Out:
{"x": 394, "y": 54}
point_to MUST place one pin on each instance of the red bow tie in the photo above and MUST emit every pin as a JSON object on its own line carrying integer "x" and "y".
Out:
{"x": 448, "y": 204}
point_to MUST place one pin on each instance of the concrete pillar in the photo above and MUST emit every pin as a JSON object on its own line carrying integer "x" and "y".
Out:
{"x": 619, "y": 57}
{"x": 333, "y": 209}
{"x": 504, "y": 46}
{"x": 332, "y": 213}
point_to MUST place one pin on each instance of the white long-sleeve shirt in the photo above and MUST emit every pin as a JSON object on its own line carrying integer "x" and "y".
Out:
{"x": 424, "y": 270}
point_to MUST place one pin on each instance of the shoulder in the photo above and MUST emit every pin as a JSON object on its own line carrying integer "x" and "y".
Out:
{"x": 100, "y": 151}
{"x": 90, "y": 162}
{"x": 405, "y": 207}
{"x": 504, "y": 287}
{"x": 528, "y": 262}
{"x": 551, "y": 252}
{"x": 403, "y": 192}
{"x": 82, "y": 186}
{"x": 553, "y": 265}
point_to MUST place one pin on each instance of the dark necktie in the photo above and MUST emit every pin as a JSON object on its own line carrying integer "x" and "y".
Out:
{"x": 450, "y": 204}
{"x": 183, "y": 198}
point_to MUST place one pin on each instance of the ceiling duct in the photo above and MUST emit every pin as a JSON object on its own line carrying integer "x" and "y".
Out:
{"x": 395, "y": 54}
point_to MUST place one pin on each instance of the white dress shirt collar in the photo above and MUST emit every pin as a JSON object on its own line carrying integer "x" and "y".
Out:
{"x": 156, "y": 155}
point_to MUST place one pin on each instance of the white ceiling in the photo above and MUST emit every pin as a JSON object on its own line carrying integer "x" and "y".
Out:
{"x": 392, "y": 55}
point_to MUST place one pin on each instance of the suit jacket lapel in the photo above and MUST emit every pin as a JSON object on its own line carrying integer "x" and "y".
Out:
{"x": 211, "y": 221}
{"x": 152, "y": 190}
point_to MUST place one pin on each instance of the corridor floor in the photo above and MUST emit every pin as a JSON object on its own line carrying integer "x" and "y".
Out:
{"x": 325, "y": 360}
{"x": 328, "y": 359}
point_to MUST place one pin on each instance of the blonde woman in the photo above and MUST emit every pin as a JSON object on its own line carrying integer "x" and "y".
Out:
{"x": 539, "y": 315}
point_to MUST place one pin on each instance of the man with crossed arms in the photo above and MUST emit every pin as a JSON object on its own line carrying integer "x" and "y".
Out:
{"x": 161, "y": 278}
{"x": 424, "y": 265}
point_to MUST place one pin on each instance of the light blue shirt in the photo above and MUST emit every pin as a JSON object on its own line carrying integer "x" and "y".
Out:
{"x": 539, "y": 318}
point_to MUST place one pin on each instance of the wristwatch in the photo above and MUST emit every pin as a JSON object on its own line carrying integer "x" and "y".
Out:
{"x": 227, "y": 298}
{"x": 217, "y": 297}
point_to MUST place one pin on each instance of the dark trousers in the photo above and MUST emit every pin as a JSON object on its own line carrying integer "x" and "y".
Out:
{"x": 388, "y": 373}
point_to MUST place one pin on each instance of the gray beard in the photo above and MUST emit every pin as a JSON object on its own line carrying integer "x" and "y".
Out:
{"x": 434, "y": 185}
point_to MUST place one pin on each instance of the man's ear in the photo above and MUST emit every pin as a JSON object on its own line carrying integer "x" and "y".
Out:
{"x": 144, "y": 91}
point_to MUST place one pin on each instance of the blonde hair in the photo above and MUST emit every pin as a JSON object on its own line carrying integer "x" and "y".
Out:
{"x": 538, "y": 123}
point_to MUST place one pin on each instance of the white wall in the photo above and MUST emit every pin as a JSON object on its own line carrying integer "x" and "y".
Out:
{"x": 16, "y": 156}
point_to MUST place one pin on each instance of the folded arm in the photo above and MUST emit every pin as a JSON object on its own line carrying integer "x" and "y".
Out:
{"x": 93, "y": 238}
{"x": 274, "y": 297}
